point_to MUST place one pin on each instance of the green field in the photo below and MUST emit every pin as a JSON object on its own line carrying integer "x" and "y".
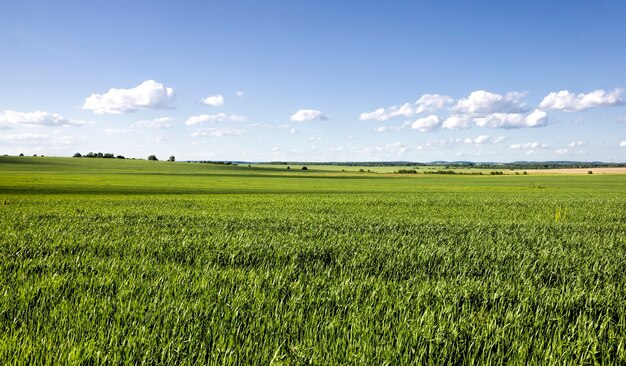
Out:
{"x": 106, "y": 261}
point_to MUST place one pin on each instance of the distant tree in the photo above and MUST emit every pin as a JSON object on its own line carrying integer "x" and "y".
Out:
{"x": 171, "y": 158}
{"x": 21, "y": 154}
{"x": 77, "y": 155}
{"x": 90, "y": 155}
{"x": 120, "y": 156}
{"x": 288, "y": 168}
{"x": 304, "y": 168}
{"x": 152, "y": 157}
{"x": 34, "y": 154}
{"x": 99, "y": 155}
{"x": 108, "y": 156}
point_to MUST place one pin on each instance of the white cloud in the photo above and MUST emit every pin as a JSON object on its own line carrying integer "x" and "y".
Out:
{"x": 426, "y": 124}
{"x": 529, "y": 145}
{"x": 441, "y": 143}
{"x": 575, "y": 144}
{"x": 40, "y": 140}
{"x": 482, "y": 102}
{"x": 486, "y": 109}
{"x": 570, "y": 102}
{"x": 536, "y": 119}
{"x": 622, "y": 144}
{"x": 395, "y": 128}
{"x": 239, "y": 93}
{"x": 431, "y": 102}
{"x": 456, "y": 121}
{"x": 561, "y": 151}
{"x": 163, "y": 122}
{"x": 513, "y": 120}
{"x": 24, "y": 138}
{"x": 380, "y": 115}
{"x": 220, "y": 117}
{"x": 307, "y": 115}
{"x": 396, "y": 148}
{"x": 214, "y": 100}
{"x": 219, "y": 132}
{"x": 483, "y": 139}
{"x": 427, "y": 102}
{"x": 37, "y": 118}
{"x": 147, "y": 95}
{"x": 115, "y": 131}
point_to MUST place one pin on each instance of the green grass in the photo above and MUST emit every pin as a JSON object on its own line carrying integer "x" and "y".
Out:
{"x": 108, "y": 262}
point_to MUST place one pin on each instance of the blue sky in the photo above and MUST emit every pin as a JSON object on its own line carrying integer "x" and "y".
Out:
{"x": 315, "y": 80}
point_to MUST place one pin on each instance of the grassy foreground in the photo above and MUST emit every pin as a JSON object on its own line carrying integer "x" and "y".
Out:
{"x": 137, "y": 262}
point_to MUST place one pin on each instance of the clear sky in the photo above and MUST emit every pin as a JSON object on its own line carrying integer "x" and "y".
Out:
{"x": 315, "y": 80}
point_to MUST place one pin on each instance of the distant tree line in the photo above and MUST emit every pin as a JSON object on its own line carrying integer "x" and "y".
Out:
{"x": 98, "y": 155}
{"x": 523, "y": 165}
{"x": 112, "y": 156}
{"x": 214, "y": 162}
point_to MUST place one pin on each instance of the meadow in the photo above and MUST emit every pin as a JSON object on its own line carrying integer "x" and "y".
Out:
{"x": 106, "y": 261}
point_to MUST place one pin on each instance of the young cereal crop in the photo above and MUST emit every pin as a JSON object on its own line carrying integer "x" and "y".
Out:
{"x": 124, "y": 262}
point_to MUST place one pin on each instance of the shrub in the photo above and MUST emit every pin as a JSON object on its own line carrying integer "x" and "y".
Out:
{"x": 77, "y": 155}
{"x": 152, "y": 157}
{"x": 171, "y": 158}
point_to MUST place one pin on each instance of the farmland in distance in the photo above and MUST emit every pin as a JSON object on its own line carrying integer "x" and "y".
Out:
{"x": 110, "y": 261}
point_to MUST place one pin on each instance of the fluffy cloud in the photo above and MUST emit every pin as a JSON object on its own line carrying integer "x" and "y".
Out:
{"x": 513, "y": 120}
{"x": 220, "y": 117}
{"x": 164, "y": 122}
{"x": 570, "y": 102}
{"x": 440, "y": 143}
{"x": 147, "y": 95}
{"x": 482, "y": 102}
{"x": 395, "y": 128}
{"x": 39, "y": 140}
{"x": 431, "y": 102}
{"x": 427, "y": 102}
{"x": 457, "y": 121}
{"x": 486, "y": 109}
{"x": 37, "y": 118}
{"x": 396, "y": 148}
{"x": 484, "y": 139}
{"x": 561, "y": 151}
{"x": 219, "y": 132}
{"x": 239, "y": 93}
{"x": 24, "y": 138}
{"x": 575, "y": 144}
{"x": 622, "y": 144}
{"x": 380, "y": 115}
{"x": 529, "y": 146}
{"x": 214, "y": 100}
{"x": 307, "y": 115}
{"x": 115, "y": 131}
{"x": 426, "y": 124}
